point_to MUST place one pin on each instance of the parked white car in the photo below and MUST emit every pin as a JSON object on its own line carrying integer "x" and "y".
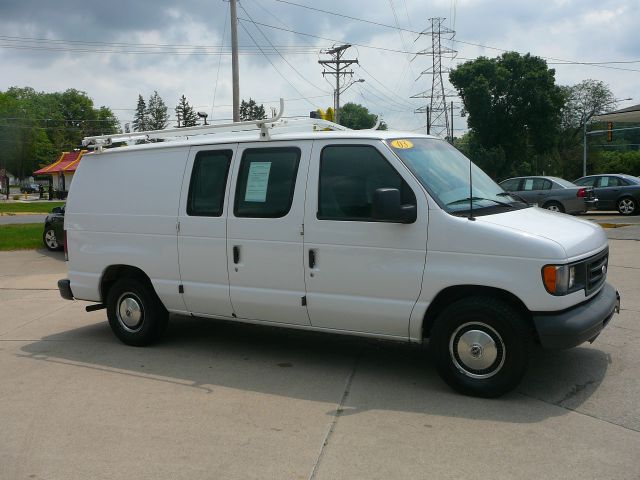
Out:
{"x": 369, "y": 233}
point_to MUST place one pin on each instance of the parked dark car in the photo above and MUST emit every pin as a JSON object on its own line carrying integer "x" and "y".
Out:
{"x": 552, "y": 193}
{"x": 615, "y": 192}
{"x": 30, "y": 188}
{"x": 53, "y": 235}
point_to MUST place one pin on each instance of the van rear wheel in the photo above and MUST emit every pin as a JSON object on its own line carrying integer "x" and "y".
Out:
{"x": 136, "y": 314}
{"x": 481, "y": 346}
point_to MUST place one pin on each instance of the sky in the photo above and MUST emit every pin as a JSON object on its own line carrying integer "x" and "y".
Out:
{"x": 119, "y": 49}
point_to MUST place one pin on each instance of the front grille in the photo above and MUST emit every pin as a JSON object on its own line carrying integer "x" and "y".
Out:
{"x": 596, "y": 267}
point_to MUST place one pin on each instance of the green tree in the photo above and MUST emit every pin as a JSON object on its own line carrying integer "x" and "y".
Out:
{"x": 187, "y": 117}
{"x": 582, "y": 102}
{"x": 140, "y": 118}
{"x": 35, "y": 127}
{"x": 513, "y": 106}
{"x": 251, "y": 110}
{"x": 358, "y": 117}
{"x": 157, "y": 115}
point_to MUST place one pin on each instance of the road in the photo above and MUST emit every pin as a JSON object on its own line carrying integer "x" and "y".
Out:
{"x": 219, "y": 400}
{"x": 13, "y": 219}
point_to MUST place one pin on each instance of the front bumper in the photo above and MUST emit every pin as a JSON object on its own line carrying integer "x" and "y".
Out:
{"x": 64, "y": 286}
{"x": 579, "y": 324}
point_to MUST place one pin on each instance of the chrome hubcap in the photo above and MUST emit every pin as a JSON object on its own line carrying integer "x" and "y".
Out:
{"x": 553, "y": 208}
{"x": 477, "y": 350}
{"x": 130, "y": 312}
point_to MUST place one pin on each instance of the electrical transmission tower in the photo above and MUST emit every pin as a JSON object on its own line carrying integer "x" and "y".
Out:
{"x": 437, "y": 113}
{"x": 338, "y": 68}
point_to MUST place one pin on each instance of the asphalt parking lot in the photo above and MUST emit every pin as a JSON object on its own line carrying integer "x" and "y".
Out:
{"x": 218, "y": 400}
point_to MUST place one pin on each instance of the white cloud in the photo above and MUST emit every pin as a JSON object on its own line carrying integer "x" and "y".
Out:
{"x": 600, "y": 30}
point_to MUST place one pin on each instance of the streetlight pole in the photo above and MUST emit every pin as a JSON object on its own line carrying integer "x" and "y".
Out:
{"x": 584, "y": 149}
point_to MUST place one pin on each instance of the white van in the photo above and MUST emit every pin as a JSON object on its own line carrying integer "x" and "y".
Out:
{"x": 370, "y": 233}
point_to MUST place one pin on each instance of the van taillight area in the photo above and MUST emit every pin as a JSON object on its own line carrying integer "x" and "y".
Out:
{"x": 66, "y": 249}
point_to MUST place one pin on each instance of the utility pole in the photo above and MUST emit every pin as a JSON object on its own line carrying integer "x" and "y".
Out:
{"x": 436, "y": 108}
{"x": 337, "y": 67}
{"x": 234, "y": 61}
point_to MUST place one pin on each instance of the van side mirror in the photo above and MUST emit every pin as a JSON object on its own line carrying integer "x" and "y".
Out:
{"x": 387, "y": 207}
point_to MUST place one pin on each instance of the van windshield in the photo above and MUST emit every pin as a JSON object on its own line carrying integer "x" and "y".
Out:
{"x": 444, "y": 173}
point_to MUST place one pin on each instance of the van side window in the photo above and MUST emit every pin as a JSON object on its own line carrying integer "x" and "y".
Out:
{"x": 349, "y": 176}
{"x": 208, "y": 182}
{"x": 266, "y": 182}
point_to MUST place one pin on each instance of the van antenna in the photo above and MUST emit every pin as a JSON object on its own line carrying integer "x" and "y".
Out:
{"x": 470, "y": 193}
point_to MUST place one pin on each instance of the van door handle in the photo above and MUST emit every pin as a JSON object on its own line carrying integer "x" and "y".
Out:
{"x": 236, "y": 254}
{"x": 312, "y": 258}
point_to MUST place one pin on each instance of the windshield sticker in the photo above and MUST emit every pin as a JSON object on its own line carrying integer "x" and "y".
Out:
{"x": 402, "y": 144}
{"x": 257, "y": 182}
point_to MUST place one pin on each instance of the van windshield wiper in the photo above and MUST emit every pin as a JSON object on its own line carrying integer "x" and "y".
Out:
{"x": 467, "y": 200}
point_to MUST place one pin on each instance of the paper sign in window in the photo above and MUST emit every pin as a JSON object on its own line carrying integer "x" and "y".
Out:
{"x": 528, "y": 184}
{"x": 604, "y": 181}
{"x": 257, "y": 182}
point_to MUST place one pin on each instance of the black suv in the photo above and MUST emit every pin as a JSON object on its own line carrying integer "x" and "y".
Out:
{"x": 53, "y": 235}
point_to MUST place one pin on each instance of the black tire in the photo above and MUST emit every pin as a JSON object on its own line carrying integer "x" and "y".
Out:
{"x": 479, "y": 330}
{"x": 136, "y": 314}
{"x": 627, "y": 206}
{"x": 49, "y": 239}
{"x": 554, "y": 207}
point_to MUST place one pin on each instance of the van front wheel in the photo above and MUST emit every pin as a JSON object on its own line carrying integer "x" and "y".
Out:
{"x": 481, "y": 346}
{"x": 136, "y": 314}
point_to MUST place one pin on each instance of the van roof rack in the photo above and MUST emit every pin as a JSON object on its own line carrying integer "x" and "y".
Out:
{"x": 261, "y": 126}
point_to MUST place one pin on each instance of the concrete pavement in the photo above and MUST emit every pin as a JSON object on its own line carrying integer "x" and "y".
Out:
{"x": 218, "y": 400}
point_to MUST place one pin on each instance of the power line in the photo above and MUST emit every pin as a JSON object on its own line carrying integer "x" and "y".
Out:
{"x": 177, "y": 46}
{"x": 177, "y": 49}
{"x": 329, "y": 39}
{"x": 244, "y": 51}
{"x": 273, "y": 65}
{"x": 343, "y": 16}
{"x": 401, "y": 99}
{"x": 285, "y": 60}
{"x": 224, "y": 34}
{"x": 562, "y": 61}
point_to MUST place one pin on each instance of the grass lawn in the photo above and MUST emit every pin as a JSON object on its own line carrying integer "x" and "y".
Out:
{"x": 21, "y": 237}
{"x": 31, "y": 207}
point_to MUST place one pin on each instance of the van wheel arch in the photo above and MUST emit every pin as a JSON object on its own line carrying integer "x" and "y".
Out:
{"x": 113, "y": 273}
{"x": 452, "y": 294}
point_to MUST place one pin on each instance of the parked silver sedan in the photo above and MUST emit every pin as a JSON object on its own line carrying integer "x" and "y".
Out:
{"x": 552, "y": 193}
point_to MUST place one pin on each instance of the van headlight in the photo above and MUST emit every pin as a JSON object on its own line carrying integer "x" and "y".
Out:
{"x": 563, "y": 279}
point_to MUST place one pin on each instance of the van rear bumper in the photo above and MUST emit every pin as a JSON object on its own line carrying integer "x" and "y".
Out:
{"x": 64, "y": 286}
{"x": 579, "y": 324}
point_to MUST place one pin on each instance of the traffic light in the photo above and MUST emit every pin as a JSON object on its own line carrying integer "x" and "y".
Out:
{"x": 609, "y": 131}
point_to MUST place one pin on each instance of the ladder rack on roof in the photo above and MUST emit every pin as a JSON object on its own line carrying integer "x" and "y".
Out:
{"x": 262, "y": 126}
